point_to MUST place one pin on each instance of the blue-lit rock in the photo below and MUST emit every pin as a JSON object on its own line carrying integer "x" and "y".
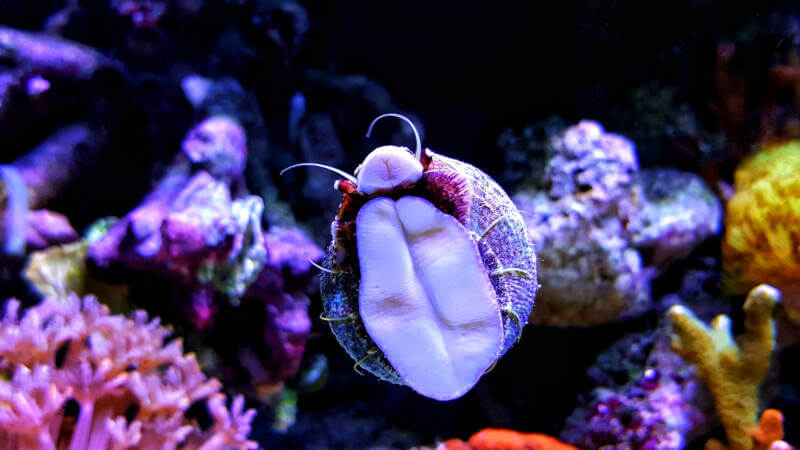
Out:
{"x": 591, "y": 216}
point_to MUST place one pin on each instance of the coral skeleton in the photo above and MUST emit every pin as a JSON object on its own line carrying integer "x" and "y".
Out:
{"x": 733, "y": 370}
{"x": 131, "y": 387}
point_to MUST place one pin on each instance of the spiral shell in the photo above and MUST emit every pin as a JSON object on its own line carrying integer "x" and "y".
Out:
{"x": 491, "y": 221}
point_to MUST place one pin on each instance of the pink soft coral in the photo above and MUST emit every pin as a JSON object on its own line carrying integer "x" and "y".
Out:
{"x": 132, "y": 388}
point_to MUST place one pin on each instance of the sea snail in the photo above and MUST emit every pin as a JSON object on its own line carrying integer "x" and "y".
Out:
{"x": 430, "y": 275}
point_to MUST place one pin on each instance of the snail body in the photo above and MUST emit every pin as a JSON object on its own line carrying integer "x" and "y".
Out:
{"x": 430, "y": 275}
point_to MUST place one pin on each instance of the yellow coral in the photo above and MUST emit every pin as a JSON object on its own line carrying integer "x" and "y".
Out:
{"x": 732, "y": 370}
{"x": 57, "y": 271}
{"x": 762, "y": 226}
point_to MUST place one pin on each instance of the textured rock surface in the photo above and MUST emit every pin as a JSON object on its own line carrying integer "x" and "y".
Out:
{"x": 679, "y": 212}
{"x": 195, "y": 224}
{"x": 199, "y": 232}
{"x": 594, "y": 214}
{"x": 650, "y": 406}
{"x": 589, "y": 272}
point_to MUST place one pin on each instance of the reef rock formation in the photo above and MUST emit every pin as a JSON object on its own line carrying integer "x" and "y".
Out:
{"x": 196, "y": 223}
{"x": 201, "y": 232}
{"x": 591, "y": 217}
{"x": 644, "y": 399}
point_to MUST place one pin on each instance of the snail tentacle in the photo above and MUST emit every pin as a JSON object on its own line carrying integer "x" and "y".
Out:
{"x": 418, "y": 151}
{"x": 371, "y": 352}
{"x": 346, "y": 318}
{"x": 512, "y": 270}
{"x": 323, "y": 166}
{"x": 494, "y": 224}
{"x": 491, "y": 368}
{"x": 515, "y": 317}
{"x": 334, "y": 272}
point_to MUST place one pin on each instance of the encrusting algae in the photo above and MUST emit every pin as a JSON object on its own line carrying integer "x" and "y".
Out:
{"x": 732, "y": 369}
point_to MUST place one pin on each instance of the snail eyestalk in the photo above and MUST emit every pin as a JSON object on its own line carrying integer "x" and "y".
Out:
{"x": 340, "y": 172}
{"x": 418, "y": 151}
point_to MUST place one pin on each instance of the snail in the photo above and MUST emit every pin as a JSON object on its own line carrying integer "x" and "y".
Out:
{"x": 430, "y": 275}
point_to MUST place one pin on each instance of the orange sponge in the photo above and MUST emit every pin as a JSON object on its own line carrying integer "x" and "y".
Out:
{"x": 499, "y": 439}
{"x": 769, "y": 430}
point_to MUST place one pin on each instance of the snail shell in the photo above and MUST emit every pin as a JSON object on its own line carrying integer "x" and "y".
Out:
{"x": 446, "y": 277}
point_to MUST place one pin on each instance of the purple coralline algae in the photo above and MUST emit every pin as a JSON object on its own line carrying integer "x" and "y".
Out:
{"x": 49, "y": 54}
{"x": 653, "y": 410}
{"x": 34, "y": 179}
{"x": 226, "y": 96}
{"x": 200, "y": 230}
{"x": 75, "y": 376}
{"x": 196, "y": 225}
{"x": 146, "y": 13}
{"x": 46, "y": 228}
{"x": 591, "y": 216}
{"x": 282, "y": 286}
{"x": 50, "y": 166}
{"x": 679, "y": 211}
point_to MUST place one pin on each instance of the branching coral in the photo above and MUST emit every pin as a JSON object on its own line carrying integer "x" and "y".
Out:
{"x": 131, "y": 387}
{"x": 733, "y": 370}
{"x": 763, "y": 224}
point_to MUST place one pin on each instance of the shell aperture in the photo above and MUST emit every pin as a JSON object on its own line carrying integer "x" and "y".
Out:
{"x": 425, "y": 297}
